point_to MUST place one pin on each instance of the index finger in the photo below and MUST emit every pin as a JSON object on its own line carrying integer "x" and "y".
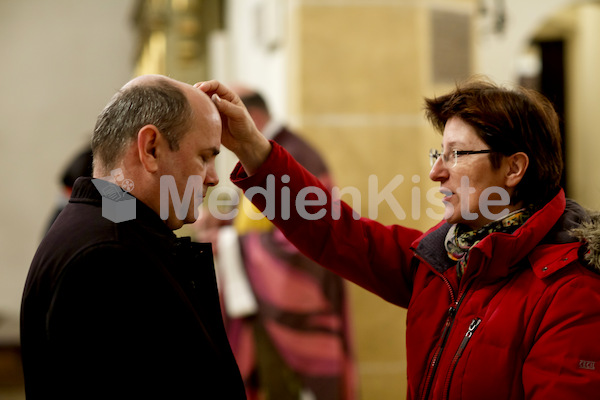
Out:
{"x": 215, "y": 87}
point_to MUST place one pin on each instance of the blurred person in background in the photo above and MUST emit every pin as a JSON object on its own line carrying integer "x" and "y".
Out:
{"x": 80, "y": 165}
{"x": 286, "y": 317}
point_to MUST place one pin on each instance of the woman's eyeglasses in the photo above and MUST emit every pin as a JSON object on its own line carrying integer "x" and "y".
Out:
{"x": 450, "y": 160}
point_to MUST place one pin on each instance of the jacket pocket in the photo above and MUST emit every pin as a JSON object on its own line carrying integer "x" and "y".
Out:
{"x": 468, "y": 335}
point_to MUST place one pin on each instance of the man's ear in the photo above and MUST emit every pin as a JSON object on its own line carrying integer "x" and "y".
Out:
{"x": 149, "y": 141}
{"x": 516, "y": 167}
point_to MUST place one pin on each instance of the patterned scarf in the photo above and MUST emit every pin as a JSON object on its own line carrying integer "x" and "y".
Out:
{"x": 460, "y": 238}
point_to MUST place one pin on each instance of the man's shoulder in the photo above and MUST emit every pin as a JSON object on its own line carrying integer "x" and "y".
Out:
{"x": 81, "y": 232}
{"x": 78, "y": 225}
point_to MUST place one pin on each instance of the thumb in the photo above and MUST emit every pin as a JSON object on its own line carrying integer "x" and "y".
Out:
{"x": 234, "y": 116}
{"x": 216, "y": 99}
{"x": 225, "y": 107}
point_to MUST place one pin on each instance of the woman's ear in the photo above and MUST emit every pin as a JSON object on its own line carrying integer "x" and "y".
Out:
{"x": 148, "y": 143}
{"x": 516, "y": 167}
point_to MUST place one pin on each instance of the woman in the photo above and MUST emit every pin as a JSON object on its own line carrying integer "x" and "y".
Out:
{"x": 503, "y": 296}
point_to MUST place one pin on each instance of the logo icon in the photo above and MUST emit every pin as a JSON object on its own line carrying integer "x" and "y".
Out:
{"x": 117, "y": 204}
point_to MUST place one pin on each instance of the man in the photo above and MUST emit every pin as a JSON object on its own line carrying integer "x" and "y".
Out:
{"x": 503, "y": 296}
{"x": 127, "y": 310}
{"x": 290, "y": 295}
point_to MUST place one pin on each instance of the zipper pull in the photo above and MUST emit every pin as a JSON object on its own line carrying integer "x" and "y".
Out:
{"x": 474, "y": 324}
{"x": 451, "y": 311}
{"x": 472, "y": 327}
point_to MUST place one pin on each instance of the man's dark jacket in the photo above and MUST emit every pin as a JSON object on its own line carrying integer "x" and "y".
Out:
{"x": 123, "y": 310}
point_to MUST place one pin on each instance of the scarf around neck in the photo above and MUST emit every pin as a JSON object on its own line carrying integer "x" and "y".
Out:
{"x": 460, "y": 238}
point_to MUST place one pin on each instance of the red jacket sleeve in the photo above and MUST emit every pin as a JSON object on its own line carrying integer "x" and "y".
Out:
{"x": 372, "y": 255}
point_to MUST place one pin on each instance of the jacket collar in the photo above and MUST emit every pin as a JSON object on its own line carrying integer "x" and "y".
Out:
{"x": 500, "y": 254}
{"x": 587, "y": 230}
{"x": 85, "y": 192}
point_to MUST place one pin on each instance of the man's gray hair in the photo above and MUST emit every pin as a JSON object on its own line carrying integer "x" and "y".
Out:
{"x": 159, "y": 103}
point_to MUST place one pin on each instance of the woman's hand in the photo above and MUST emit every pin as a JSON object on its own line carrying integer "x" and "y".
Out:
{"x": 239, "y": 134}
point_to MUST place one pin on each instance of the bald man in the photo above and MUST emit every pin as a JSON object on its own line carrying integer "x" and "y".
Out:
{"x": 115, "y": 306}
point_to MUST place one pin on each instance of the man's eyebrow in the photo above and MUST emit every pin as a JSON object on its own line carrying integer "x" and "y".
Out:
{"x": 210, "y": 151}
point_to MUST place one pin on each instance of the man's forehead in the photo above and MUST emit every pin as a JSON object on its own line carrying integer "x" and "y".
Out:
{"x": 198, "y": 96}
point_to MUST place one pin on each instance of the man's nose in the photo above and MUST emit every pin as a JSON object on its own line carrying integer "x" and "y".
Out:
{"x": 212, "y": 179}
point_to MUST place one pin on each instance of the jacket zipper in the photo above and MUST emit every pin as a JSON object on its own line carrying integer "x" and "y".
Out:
{"x": 433, "y": 364}
{"x": 472, "y": 327}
